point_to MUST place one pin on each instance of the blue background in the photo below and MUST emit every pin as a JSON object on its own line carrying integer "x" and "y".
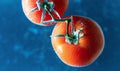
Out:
{"x": 25, "y": 46}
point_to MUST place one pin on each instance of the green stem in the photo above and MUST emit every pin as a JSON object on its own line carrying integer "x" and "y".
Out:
{"x": 61, "y": 20}
{"x": 72, "y": 38}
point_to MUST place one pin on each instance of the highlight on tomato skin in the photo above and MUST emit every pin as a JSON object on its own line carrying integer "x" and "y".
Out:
{"x": 90, "y": 45}
{"x": 35, "y": 17}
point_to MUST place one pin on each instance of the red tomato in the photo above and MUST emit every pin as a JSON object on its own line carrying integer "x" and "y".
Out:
{"x": 59, "y": 5}
{"x": 87, "y": 50}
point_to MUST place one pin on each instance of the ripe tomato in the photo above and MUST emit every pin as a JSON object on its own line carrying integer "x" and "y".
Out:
{"x": 87, "y": 50}
{"x": 59, "y": 5}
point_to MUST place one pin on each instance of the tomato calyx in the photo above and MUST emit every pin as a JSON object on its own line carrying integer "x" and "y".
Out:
{"x": 72, "y": 38}
{"x": 45, "y": 6}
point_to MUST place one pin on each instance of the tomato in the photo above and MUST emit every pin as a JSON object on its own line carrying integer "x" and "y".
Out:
{"x": 87, "y": 50}
{"x": 59, "y": 6}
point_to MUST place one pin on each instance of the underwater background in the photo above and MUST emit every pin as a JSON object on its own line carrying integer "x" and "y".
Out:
{"x": 25, "y": 46}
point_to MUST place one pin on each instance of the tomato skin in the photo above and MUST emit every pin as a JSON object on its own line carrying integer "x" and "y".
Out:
{"x": 60, "y": 6}
{"x": 90, "y": 45}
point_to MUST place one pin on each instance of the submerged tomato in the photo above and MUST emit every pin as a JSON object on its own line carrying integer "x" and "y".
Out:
{"x": 59, "y": 5}
{"x": 87, "y": 50}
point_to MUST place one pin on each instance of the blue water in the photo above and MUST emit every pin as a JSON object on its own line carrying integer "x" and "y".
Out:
{"x": 25, "y": 46}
